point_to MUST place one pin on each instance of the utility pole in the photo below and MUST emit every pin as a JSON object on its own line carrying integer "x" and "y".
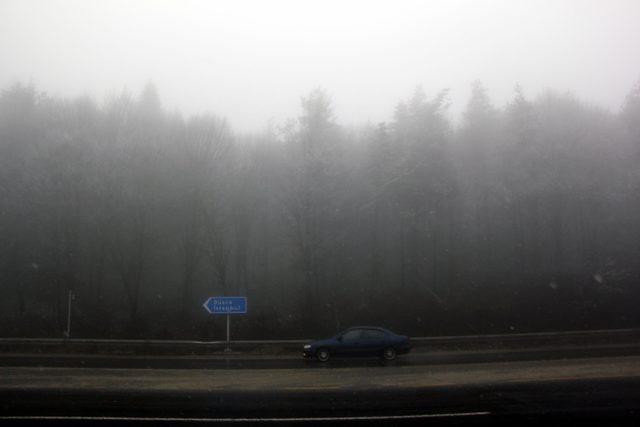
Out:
{"x": 67, "y": 333}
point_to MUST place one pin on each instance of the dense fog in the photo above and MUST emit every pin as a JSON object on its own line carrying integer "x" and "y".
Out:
{"x": 435, "y": 167}
{"x": 521, "y": 218}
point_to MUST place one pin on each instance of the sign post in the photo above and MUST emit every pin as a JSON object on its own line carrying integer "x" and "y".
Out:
{"x": 227, "y": 348}
{"x": 227, "y": 306}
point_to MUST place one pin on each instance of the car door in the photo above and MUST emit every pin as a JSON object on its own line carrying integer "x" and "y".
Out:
{"x": 350, "y": 343}
{"x": 373, "y": 340}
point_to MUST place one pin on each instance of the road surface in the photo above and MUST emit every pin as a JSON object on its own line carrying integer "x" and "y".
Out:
{"x": 592, "y": 386}
{"x": 246, "y": 361}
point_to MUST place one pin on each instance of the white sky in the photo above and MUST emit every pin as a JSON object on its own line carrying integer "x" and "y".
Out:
{"x": 250, "y": 61}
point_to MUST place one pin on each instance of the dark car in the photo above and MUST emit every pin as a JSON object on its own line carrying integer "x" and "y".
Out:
{"x": 360, "y": 341}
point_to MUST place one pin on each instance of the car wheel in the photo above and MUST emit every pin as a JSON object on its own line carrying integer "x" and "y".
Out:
{"x": 322, "y": 354}
{"x": 389, "y": 353}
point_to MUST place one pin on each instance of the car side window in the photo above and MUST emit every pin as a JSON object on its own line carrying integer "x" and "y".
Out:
{"x": 373, "y": 334}
{"x": 352, "y": 335}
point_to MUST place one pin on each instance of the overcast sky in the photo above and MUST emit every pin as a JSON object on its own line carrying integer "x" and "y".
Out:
{"x": 250, "y": 61}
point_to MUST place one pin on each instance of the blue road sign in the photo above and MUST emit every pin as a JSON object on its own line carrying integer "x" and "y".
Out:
{"x": 226, "y": 305}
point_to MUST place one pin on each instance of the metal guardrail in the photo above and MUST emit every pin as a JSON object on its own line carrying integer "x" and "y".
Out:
{"x": 546, "y": 336}
{"x": 533, "y": 336}
{"x": 141, "y": 341}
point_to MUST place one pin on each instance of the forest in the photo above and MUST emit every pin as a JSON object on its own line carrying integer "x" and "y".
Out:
{"x": 510, "y": 219}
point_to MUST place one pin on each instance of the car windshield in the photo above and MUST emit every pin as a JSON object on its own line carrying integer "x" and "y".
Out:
{"x": 201, "y": 202}
{"x": 352, "y": 335}
{"x": 373, "y": 334}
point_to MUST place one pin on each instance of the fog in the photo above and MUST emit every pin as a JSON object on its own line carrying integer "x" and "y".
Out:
{"x": 440, "y": 168}
{"x": 251, "y": 61}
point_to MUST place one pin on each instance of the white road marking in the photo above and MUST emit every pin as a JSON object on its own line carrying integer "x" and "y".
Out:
{"x": 247, "y": 420}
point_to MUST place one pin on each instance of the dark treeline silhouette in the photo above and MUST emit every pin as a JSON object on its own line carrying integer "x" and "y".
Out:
{"x": 517, "y": 219}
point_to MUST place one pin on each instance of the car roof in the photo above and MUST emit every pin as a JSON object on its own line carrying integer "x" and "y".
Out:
{"x": 370, "y": 327}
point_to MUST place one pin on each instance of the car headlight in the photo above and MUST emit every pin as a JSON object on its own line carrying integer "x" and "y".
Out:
{"x": 307, "y": 347}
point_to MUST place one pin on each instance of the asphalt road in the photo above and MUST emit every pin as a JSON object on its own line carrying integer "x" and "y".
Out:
{"x": 592, "y": 387}
{"x": 239, "y": 360}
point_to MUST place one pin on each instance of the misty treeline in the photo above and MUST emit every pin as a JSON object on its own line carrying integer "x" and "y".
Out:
{"x": 522, "y": 218}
